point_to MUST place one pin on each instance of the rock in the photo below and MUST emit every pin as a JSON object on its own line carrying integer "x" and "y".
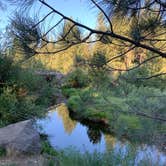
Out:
{"x": 20, "y": 138}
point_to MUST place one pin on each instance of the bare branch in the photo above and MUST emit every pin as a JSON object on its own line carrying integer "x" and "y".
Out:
{"x": 42, "y": 19}
{"x": 118, "y": 56}
{"x": 53, "y": 27}
{"x": 140, "y": 64}
{"x": 111, "y": 34}
{"x": 153, "y": 76}
{"x": 111, "y": 26}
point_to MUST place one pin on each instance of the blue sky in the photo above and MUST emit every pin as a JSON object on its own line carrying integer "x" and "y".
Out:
{"x": 78, "y": 9}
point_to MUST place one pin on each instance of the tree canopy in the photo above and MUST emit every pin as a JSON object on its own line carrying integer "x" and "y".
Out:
{"x": 146, "y": 18}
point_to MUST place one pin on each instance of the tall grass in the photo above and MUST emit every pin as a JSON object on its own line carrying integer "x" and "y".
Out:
{"x": 72, "y": 157}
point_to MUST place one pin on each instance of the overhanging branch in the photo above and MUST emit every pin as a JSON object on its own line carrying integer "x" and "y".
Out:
{"x": 108, "y": 33}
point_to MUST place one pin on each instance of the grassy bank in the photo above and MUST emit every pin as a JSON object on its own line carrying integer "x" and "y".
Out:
{"x": 73, "y": 157}
{"x": 122, "y": 107}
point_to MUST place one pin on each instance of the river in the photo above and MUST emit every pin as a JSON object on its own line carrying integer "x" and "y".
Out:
{"x": 63, "y": 132}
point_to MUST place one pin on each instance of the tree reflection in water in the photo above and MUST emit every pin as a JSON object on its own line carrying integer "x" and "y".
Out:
{"x": 68, "y": 123}
{"x": 110, "y": 141}
{"x": 94, "y": 135}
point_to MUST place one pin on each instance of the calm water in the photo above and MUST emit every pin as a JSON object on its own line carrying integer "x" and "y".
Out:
{"x": 63, "y": 132}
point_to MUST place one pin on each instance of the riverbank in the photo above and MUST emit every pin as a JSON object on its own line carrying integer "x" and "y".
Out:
{"x": 114, "y": 113}
{"x": 89, "y": 140}
{"x": 53, "y": 156}
{"x": 72, "y": 157}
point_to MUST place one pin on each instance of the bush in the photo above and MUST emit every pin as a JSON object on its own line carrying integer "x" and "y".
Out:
{"x": 13, "y": 109}
{"x": 76, "y": 79}
{"x": 23, "y": 94}
{"x": 70, "y": 92}
{"x": 46, "y": 148}
{"x": 2, "y": 152}
{"x": 128, "y": 125}
{"x": 5, "y": 69}
{"x": 75, "y": 104}
{"x": 94, "y": 113}
{"x": 47, "y": 95}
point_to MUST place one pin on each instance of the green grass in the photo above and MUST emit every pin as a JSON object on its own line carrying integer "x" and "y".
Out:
{"x": 73, "y": 157}
{"x": 47, "y": 149}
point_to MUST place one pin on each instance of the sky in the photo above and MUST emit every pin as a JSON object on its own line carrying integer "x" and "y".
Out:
{"x": 77, "y": 9}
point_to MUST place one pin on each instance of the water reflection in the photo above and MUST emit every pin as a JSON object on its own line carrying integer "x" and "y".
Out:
{"x": 64, "y": 132}
{"x": 94, "y": 135}
{"x": 68, "y": 123}
{"x": 110, "y": 141}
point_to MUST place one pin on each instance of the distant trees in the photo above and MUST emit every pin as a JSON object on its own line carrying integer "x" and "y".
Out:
{"x": 136, "y": 27}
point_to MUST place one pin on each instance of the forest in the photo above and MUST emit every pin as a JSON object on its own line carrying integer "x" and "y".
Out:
{"x": 112, "y": 75}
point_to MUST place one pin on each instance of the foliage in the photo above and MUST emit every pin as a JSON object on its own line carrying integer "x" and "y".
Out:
{"x": 75, "y": 103}
{"x": 47, "y": 149}
{"x": 70, "y": 92}
{"x": 120, "y": 105}
{"x": 22, "y": 93}
{"x": 128, "y": 125}
{"x": 73, "y": 34}
{"x": 2, "y": 152}
{"x": 76, "y": 79}
{"x": 112, "y": 158}
{"x": 24, "y": 36}
{"x": 98, "y": 86}
{"x": 98, "y": 60}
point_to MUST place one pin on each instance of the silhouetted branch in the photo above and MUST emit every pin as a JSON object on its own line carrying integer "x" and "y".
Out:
{"x": 118, "y": 56}
{"x": 108, "y": 33}
{"x": 132, "y": 68}
{"x": 42, "y": 19}
{"x": 108, "y": 19}
{"x": 152, "y": 76}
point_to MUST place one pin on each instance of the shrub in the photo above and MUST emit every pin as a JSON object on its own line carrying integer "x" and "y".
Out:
{"x": 5, "y": 68}
{"x": 76, "y": 79}
{"x": 23, "y": 94}
{"x": 128, "y": 125}
{"x": 2, "y": 152}
{"x": 75, "y": 103}
{"x": 86, "y": 95}
{"x": 13, "y": 109}
{"x": 47, "y": 95}
{"x": 70, "y": 92}
{"x": 46, "y": 148}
